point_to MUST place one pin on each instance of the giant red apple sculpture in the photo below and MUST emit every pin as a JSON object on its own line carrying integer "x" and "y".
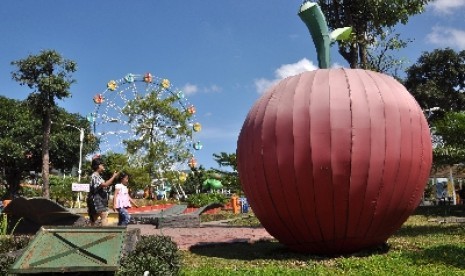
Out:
{"x": 334, "y": 160}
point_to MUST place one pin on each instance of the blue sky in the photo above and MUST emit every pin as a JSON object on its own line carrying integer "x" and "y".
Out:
{"x": 221, "y": 54}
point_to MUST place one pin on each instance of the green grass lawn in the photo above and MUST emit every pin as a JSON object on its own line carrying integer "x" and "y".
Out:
{"x": 422, "y": 246}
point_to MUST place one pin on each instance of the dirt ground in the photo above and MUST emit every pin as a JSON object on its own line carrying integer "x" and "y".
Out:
{"x": 208, "y": 233}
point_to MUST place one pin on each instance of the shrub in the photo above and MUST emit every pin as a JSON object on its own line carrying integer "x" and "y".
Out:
{"x": 9, "y": 244}
{"x": 157, "y": 254}
{"x": 5, "y": 263}
{"x": 60, "y": 189}
{"x": 199, "y": 200}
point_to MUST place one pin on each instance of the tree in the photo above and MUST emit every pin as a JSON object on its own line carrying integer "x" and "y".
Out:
{"x": 17, "y": 137}
{"x": 162, "y": 131}
{"x": 437, "y": 79}
{"x": 20, "y": 142}
{"x": 119, "y": 162}
{"x": 195, "y": 179}
{"x": 380, "y": 57}
{"x": 65, "y": 139}
{"x": 449, "y": 144}
{"x": 226, "y": 160}
{"x": 368, "y": 19}
{"x": 49, "y": 74}
{"x": 230, "y": 178}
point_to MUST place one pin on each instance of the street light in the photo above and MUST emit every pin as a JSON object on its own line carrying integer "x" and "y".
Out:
{"x": 81, "y": 141}
{"x": 431, "y": 111}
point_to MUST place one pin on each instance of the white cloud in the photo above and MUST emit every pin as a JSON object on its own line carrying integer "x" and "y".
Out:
{"x": 447, "y": 37}
{"x": 263, "y": 84}
{"x": 336, "y": 65}
{"x": 283, "y": 72}
{"x": 447, "y": 6}
{"x": 288, "y": 70}
{"x": 190, "y": 89}
{"x": 212, "y": 89}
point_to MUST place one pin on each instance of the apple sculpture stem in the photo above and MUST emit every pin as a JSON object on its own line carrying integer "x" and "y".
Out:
{"x": 313, "y": 17}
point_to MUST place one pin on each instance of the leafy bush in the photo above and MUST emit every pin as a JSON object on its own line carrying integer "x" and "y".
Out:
{"x": 249, "y": 220}
{"x": 199, "y": 200}
{"x": 152, "y": 202}
{"x": 5, "y": 263}
{"x": 30, "y": 192}
{"x": 157, "y": 254}
{"x": 10, "y": 244}
{"x": 221, "y": 215}
{"x": 60, "y": 188}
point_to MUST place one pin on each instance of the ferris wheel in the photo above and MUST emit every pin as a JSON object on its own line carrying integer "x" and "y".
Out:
{"x": 140, "y": 113}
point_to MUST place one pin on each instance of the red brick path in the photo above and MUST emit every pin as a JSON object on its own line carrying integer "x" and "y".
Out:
{"x": 208, "y": 233}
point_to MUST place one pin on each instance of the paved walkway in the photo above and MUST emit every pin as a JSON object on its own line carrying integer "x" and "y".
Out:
{"x": 208, "y": 233}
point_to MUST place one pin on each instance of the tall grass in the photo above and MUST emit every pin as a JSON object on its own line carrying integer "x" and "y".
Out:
{"x": 431, "y": 242}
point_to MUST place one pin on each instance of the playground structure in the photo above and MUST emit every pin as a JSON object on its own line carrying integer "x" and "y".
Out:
{"x": 174, "y": 217}
{"x": 168, "y": 127}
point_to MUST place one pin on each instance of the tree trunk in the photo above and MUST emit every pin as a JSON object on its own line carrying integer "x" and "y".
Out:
{"x": 350, "y": 20}
{"x": 13, "y": 179}
{"x": 353, "y": 55}
{"x": 362, "y": 52}
{"x": 47, "y": 124}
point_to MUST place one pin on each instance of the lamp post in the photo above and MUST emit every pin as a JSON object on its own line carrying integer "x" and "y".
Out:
{"x": 81, "y": 141}
{"x": 431, "y": 111}
{"x": 428, "y": 113}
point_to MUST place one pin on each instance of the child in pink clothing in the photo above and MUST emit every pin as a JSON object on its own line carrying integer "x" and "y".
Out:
{"x": 122, "y": 201}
